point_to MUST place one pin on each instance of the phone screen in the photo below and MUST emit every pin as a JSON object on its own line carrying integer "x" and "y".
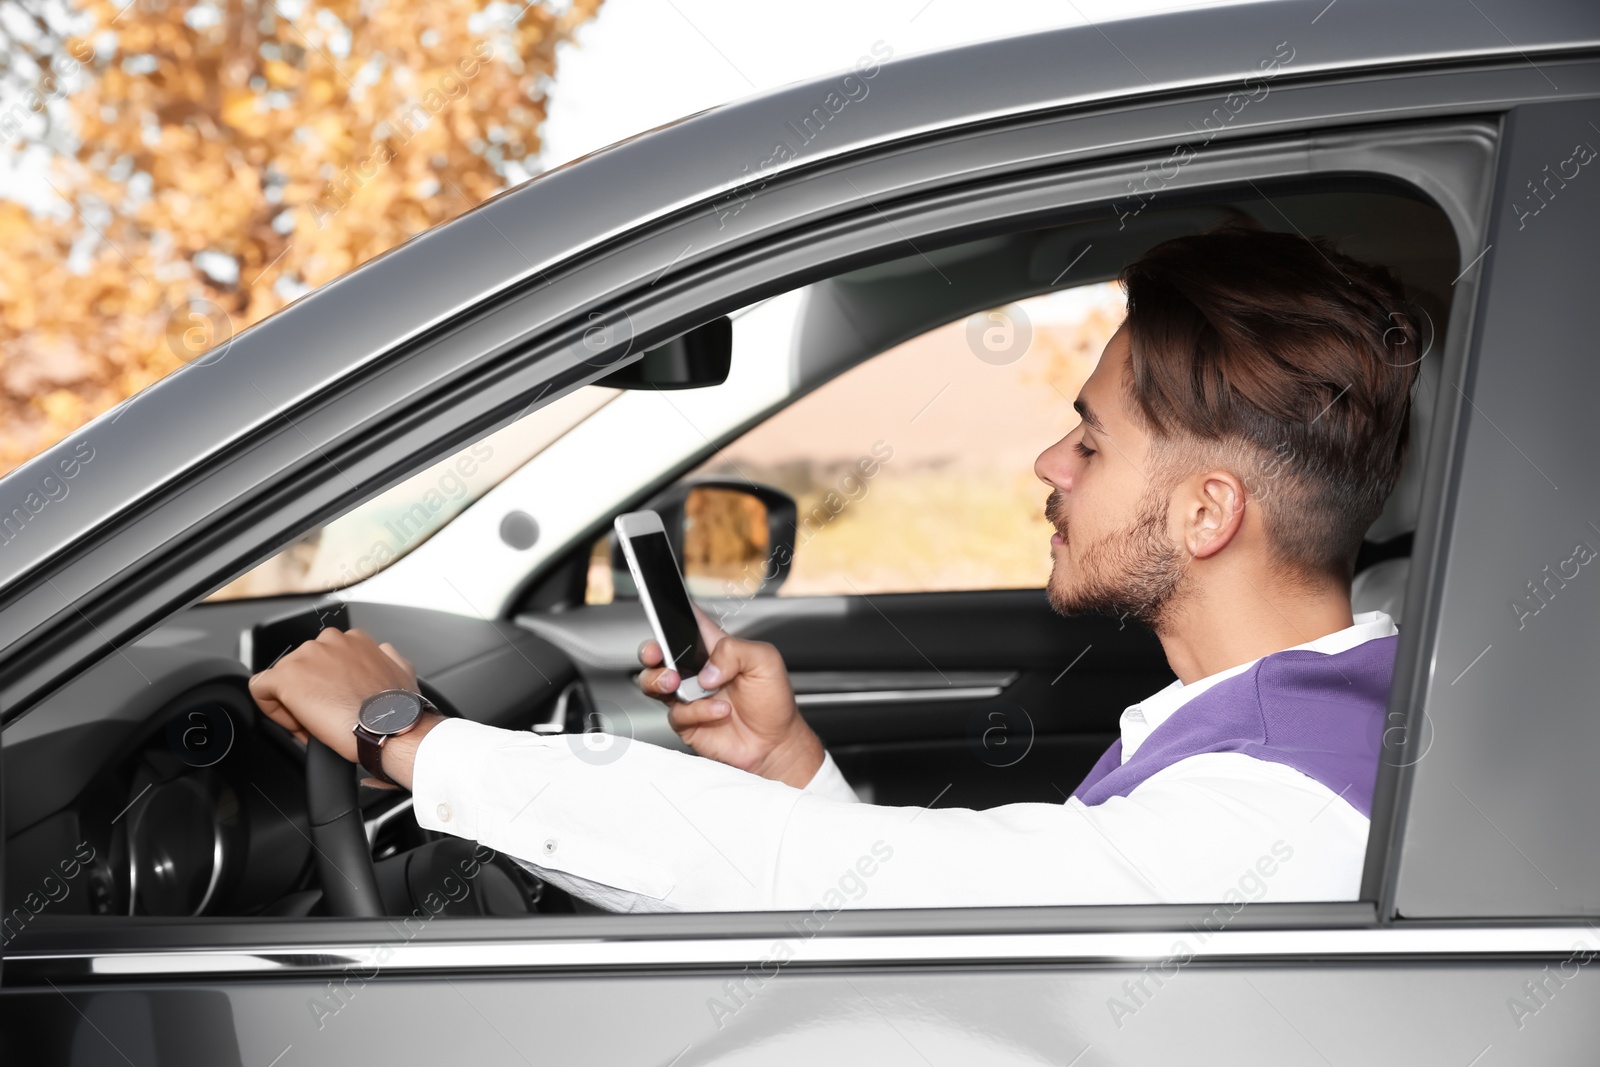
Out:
{"x": 660, "y": 577}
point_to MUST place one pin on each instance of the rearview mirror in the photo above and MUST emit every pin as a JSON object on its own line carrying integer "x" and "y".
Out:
{"x": 693, "y": 360}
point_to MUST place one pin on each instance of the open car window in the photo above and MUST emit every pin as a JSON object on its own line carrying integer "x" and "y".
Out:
{"x": 948, "y": 425}
{"x": 897, "y": 491}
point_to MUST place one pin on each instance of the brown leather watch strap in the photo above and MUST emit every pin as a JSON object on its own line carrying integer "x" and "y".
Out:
{"x": 369, "y": 750}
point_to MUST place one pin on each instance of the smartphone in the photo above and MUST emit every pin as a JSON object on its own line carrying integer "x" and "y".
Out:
{"x": 268, "y": 641}
{"x": 665, "y": 598}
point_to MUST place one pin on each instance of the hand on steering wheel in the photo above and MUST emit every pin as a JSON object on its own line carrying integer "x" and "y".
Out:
{"x": 316, "y": 692}
{"x": 317, "y": 689}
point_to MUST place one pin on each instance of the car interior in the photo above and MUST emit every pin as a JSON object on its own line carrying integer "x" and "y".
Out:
{"x": 179, "y": 798}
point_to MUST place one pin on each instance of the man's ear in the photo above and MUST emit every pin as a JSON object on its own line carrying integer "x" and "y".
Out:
{"x": 1212, "y": 512}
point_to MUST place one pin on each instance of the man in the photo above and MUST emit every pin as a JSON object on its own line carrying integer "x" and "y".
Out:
{"x": 1240, "y": 434}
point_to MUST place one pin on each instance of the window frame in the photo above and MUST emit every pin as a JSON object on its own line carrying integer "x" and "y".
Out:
{"x": 1461, "y": 601}
{"x": 785, "y": 251}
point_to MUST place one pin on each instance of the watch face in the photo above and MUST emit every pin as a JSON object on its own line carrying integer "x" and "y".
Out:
{"x": 391, "y": 712}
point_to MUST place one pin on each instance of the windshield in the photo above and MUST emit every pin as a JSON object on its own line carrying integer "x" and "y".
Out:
{"x": 362, "y": 542}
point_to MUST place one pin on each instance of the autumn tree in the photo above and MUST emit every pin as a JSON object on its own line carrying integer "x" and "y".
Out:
{"x": 215, "y": 160}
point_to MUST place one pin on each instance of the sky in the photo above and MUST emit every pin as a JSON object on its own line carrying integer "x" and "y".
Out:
{"x": 642, "y": 63}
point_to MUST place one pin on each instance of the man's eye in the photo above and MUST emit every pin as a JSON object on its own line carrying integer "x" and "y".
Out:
{"x": 1083, "y": 450}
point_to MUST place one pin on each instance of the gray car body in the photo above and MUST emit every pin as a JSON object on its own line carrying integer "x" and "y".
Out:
{"x": 1481, "y": 878}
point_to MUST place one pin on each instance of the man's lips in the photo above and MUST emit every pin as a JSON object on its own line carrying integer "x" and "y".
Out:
{"x": 1055, "y": 515}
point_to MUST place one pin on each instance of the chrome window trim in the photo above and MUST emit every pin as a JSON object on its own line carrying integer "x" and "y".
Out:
{"x": 1115, "y": 949}
{"x": 844, "y": 688}
{"x": 898, "y": 696}
{"x": 810, "y": 682}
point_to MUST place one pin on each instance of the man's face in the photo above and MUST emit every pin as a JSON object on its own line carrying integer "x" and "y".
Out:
{"x": 1112, "y": 551}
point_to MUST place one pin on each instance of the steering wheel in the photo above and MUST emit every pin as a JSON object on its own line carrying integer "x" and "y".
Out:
{"x": 338, "y": 832}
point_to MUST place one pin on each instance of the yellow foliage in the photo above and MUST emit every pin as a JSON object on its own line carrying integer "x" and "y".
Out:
{"x": 241, "y": 110}
{"x": 249, "y": 140}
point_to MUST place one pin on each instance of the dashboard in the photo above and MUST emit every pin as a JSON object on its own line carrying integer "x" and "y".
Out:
{"x": 151, "y": 785}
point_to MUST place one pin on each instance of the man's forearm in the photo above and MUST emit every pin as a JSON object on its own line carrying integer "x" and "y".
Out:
{"x": 645, "y": 828}
{"x": 630, "y": 827}
{"x": 796, "y": 763}
{"x": 400, "y": 751}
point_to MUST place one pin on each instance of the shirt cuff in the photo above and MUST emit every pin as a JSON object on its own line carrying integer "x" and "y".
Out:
{"x": 828, "y": 782}
{"x": 444, "y": 770}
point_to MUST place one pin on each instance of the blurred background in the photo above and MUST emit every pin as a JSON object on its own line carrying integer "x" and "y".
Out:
{"x": 172, "y": 172}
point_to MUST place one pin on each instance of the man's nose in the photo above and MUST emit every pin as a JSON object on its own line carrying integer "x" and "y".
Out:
{"x": 1053, "y": 466}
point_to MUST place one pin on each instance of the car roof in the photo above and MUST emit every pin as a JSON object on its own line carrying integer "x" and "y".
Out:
{"x": 354, "y": 320}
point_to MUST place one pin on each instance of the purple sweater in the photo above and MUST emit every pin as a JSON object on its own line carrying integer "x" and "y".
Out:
{"x": 1318, "y": 713}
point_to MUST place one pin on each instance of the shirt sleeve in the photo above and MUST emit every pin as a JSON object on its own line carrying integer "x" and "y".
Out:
{"x": 829, "y": 781}
{"x": 635, "y": 827}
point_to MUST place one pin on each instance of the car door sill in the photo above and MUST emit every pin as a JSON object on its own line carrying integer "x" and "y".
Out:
{"x": 1119, "y": 948}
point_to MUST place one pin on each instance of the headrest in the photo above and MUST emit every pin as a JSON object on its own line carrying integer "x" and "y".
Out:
{"x": 1400, "y": 514}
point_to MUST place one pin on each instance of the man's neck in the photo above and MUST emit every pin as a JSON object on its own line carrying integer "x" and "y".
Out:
{"x": 1207, "y": 634}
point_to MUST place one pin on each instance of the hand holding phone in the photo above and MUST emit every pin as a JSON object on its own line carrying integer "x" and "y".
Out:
{"x": 756, "y": 725}
{"x": 665, "y": 599}
{"x": 752, "y": 723}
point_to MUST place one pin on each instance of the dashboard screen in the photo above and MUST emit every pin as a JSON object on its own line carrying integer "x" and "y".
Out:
{"x": 269, "y": 641}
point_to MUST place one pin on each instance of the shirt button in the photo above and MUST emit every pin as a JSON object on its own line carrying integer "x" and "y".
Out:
{"x": 550, "y": 845}
{"x": 443, "y": 812}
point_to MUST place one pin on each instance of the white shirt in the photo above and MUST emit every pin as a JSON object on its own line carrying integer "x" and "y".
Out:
{"x": 638, "y": 827}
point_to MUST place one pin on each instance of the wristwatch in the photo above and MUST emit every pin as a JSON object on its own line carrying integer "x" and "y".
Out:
{"x": 382, "y": 716}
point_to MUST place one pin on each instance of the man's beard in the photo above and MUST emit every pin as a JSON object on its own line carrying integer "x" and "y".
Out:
{"x": 1135, "y": 573}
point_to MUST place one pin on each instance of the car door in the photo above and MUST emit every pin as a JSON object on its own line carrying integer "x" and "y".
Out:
{"x": 1303, "y": 983}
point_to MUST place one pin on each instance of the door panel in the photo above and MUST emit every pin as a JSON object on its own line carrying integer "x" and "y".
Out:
{"x": 1137, "y": 1013}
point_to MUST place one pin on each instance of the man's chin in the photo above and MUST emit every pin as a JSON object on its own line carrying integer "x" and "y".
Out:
{"x": 1134, "y": 575}
{"x": 1067, "y": 599}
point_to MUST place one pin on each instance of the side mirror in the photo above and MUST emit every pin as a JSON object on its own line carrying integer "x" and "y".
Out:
{"x": 732, "y": 538}
{"x": 694, "y": 360}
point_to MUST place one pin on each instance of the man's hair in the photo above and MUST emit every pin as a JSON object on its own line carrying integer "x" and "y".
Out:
{"x": 1286, "y": 362}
